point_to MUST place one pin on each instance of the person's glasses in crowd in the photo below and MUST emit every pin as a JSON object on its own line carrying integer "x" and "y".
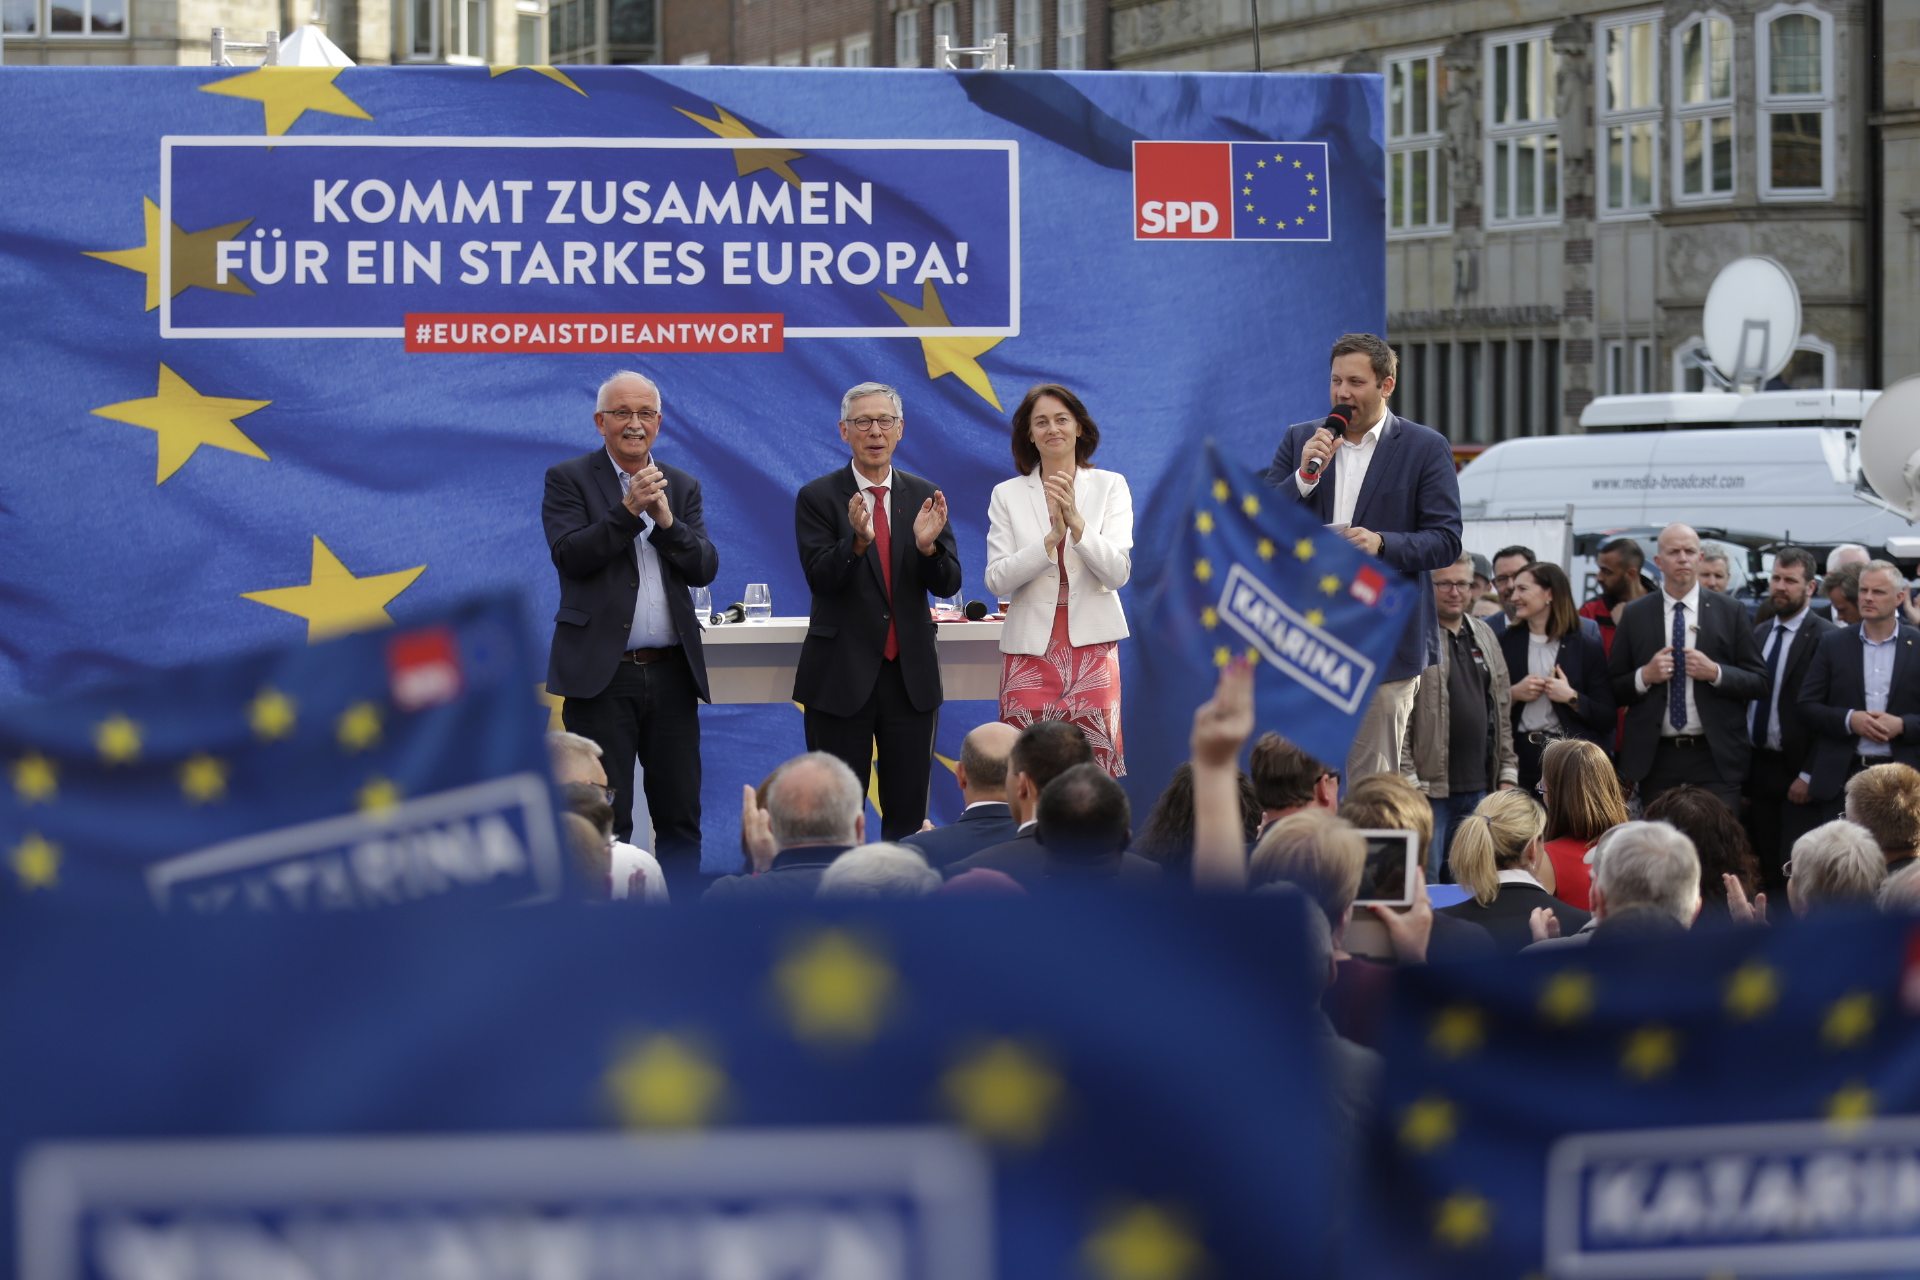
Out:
{"x": 1441, "y": 584}
{"x": 1505, "y": 580}
{"x": 1786, "y": 869}
{"x": 866, "y": 426}
{"x": 624, "y": 416}
{"x": 609, "y": 793}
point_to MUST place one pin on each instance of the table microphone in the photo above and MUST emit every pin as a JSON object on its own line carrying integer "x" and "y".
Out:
{"x": 976, "y": 611}
{"x": 1337, "y": 423}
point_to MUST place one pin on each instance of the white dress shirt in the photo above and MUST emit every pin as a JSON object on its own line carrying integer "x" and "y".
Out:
{"x": 652, "y": 626}
{"x": 1515, "y": 875}
{"x": 1350, "y": 462}
{"x": 866, "y": 491}
{"x": 1791, "y": 626}
{"x": 1691, "y": 602}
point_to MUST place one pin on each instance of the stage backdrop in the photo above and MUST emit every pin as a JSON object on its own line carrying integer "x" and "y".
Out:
{"x": 288, "y": 351}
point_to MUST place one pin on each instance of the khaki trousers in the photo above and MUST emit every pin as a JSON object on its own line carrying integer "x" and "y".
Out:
{"x": 1381, "y": 744}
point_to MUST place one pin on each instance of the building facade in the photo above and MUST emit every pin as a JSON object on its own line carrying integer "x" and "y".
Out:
{"x": 1041, "y": 34}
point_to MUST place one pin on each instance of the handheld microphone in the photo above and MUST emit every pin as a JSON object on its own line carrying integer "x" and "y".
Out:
{"x": 735, "y": 612}
{"x": 976, "y": 611}
{"x": 1337, "y": 423}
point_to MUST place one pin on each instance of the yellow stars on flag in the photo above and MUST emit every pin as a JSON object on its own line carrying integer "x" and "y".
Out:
{"x": 554, "y": 704}
{"x": 287, "y": 93}
{"x": 1849, "y": 1021}
{"x": 554, "y": 74}
{"x": 1463, "y": 1219}
{"x": 1247, "y": 176}
{"x": 36, "y": 779}
{"x": 1303, "y": 549}
{"x": 1222, "y": 656}
{"x": 748, "y": 160}
{"x": 1567, "y": 997}
{"x": 1429, "y": 1124}
{"x": 1209, "y": 617}
{"x": 1299, "y": 222}
{"x": 1314, "y": 617}
{"x": 184, "y": 420}
{"x": 117, "y": 739}
{"x": 1851, "y": 1104}
{"x": 1260, "y": 164}
{"x": 1752, "y": 991}
{"x": 358, "y": 727}
{"x": 1203, "y": 569}
{"x": 1313, "y": 208}
{"x": 1250, "y": 505}
{"x": 1221, "y": 491}
{"x": 1650, "y": 1051}
{"x": 665, "y": 1081}
{"x": 272, "y": 714}
{"x": 203, "y": 778}
{"x": 377, "y": 796}
{"x": 333, "y": 601}
{"x": 1204, "y": 522}
{"x": 1457, "y": 1030}
{"x": 834, "y": 989}
{"x": 957, "y": 356}
{"x": 1329, "y": 585}
{"x": 195, "y": 257}
{"x": 1264, "y": 548}
{"x": 1004, "y": 1092}
{"x": 1143, "y": 1241}
{"x": 36, "y": 862}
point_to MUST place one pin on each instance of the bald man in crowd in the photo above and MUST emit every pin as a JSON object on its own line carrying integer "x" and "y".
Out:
{"x": 982, "y": 776}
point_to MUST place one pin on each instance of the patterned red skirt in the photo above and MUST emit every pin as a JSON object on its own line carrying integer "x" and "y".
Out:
{"x": 1080, "y": 686}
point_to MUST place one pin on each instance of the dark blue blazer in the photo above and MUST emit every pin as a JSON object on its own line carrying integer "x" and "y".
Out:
{"x": 975, "y": 830}
{"x": 1583, "y": 660}
{"x": 1836, "y": 683}
{"x": 1411, "y": 498}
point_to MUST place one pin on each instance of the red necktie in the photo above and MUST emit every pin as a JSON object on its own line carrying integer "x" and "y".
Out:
{"x": 883, "y": 543}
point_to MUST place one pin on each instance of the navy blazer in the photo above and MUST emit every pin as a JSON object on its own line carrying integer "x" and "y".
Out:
{"x": 590, "y": 534}
{"x": 1583, "y": 660}
{"x": 1796, "y": 735}
{"x": 1411, "y": 498}
{"x": 1836, "y": 684}
{"x": 976, "y": 829}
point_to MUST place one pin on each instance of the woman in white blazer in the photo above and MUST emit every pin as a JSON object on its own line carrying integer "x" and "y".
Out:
{"x": 1059, "y": 548}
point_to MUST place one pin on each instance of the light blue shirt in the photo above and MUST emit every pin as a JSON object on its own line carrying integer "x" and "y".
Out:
{"x": 1876, "y": 662}
{"x": 652, "y": 624}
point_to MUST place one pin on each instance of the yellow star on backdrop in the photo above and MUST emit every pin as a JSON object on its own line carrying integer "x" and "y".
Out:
{"x": 1752, "y": 991}
{"x": 203, "y": 778}
{"x": 36, "y": 779}
{"x": 377, "y": 796}
{"x": 1004, "y": 1092}
{"x": 1650, "y": 1051}
{"x": 1315, "y": 617}
{"x": 1143, "y": 1242}
{"x": 358, "y": 727}
{"x": 748, "y": 160}
{"x": 1849, "y": 1021}
{"x": 334, "y": 602}
{"x": 1429, "y": 1124}
{"x": 1462, "y": 1219}
{"x": 184, "y": 420}
{"x": 1851, "y": 1104}
{"x": 1457, "y": 1030}
{"x": 287, "y": 93}
{"x": 666, "y": 1082}
{"x": 1209, "y": 617}
{"x": 554, "y": 703}
{"x": 1303, "y": 549}
{"x": 1222, "y": 656}
{"x": 1203, "y": 569}
{"x": 272, "y": 714}
{"x": 195, "y": 257}
{"x": 117, "y": 739}
{"x": 1567, "y": 997}
{"x": 1250, "y": 505}
{"x": 36, "y": 862}
{"x": 1204, "y": 522}
{"x": 551, "y": 73}
{"x": 1264, "y": 548}
{"x": 957, "y": 356}
{"x": 1329, "y": 584}
{"x": 1221, "y": 491}
{"x": 835, "y": 989}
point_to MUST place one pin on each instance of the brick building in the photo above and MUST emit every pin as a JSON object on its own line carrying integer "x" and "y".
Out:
{"x": 1042, "y": 34}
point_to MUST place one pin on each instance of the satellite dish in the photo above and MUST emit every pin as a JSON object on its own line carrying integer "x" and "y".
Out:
{"x": 1752, "y": 320}
{"x": 1890, "y": 447}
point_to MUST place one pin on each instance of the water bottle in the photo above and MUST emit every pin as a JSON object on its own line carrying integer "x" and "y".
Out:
{"x": 703, "y": 604}
{"x": 759, "y": 602}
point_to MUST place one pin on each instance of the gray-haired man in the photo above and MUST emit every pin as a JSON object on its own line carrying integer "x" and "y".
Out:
{"x": 874, "y": 541}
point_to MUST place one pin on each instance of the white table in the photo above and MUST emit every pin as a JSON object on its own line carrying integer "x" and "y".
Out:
{"x": 755, "y": 661}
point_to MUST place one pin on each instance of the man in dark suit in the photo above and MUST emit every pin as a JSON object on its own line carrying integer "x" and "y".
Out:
{"x": 1780, "y": 808}
{"x": 982, "y": 774}
{"x": 1862, "y": 692}
{"x": 816, "y": 811}
{"x": 874, "y": 541}
{"x": 627, "y": 536}
{"x": 1391, "y": 484}
{"x": 1041, "y": 753}
{"x": 1685, "y": 665}
{"x": 1082, "y": 825}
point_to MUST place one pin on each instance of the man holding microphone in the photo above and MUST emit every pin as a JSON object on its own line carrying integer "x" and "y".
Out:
{"x": 1388, "y": 485}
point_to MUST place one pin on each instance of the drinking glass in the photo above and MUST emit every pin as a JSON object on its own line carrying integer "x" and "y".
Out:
{"x": 759, "y": 602}
{"x": 1000, "y": 605}
{"x": 703, "y": 604}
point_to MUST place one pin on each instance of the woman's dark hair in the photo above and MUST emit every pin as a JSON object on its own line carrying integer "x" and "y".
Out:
{"x": 1167, "y": 835}
{"x": 1562, "y": 615}
{"x": 1717, "y": 837}
{"x": 1025, "y": 455}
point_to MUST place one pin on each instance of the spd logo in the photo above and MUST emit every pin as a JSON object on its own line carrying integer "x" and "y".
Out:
{"x": 1231, "y": 191}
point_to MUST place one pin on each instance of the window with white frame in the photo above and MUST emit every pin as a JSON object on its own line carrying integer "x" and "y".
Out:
{"x": 1417, "y": 197}
{"x": 906, "y": 38}
{"x": 1703, "y": 108}
{"x": 1795, "y": 51}
{"x": 1629, "y": 101}
{"x": 1026, "y": 35}
{"x": 1070, "y": 50}
{"x": 422, "y": 34}
{"x": 857, "y": 51}
{"x": 821, "y": 55}
{"x": 1523, "y": 141}
{"x": 945, "y": 23}
{"x": 986, "y": 20}
{"x": 64, "y": 18}
{"x": 1629, "y": 367}
{"x": 791, "y": 58}
{"x": 469, "y": 31}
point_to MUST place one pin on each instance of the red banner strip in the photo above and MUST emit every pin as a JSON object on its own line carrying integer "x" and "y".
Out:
{"x": 482, "y": 331}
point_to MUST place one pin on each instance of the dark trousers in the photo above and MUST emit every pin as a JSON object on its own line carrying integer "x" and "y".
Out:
{"x": 1773, "y": 821}
{"x": 1680, "y": 761}
{"x": 903, "y": 738}
{"x": 651, "y": 712}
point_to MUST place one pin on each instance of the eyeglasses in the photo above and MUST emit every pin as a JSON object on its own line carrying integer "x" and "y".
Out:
{"x": 867, "y": 426}
{"x": 624, "y": 416}
{"x": 1505, "y": 580}
{"x": 1439, "y": 585}
{"x": 608, "y": 792}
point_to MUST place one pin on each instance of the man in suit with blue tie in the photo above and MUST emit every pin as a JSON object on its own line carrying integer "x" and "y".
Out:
{"x": 1780, "y": 808}
{"x": 1862, "y": 693}
{"x": 1389, "y": 485}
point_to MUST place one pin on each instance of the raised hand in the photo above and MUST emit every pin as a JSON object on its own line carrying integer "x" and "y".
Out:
{"x": 1408, "y": 931}
{"x": 1223, "y": 723}
{"x": 1659, "y": 668}
{"x": 931, "y": 520}
{"x": 1738, "y": 908}
{"x": 647, "y": 494}
{"x": 862, "y": 521}
{"x": 756, "y": 831}
{"x": 1060, "y": 504}
{"x": 1321, "y": 445}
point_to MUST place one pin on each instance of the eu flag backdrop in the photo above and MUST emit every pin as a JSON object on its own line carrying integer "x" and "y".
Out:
{"x": 287, "y": 351}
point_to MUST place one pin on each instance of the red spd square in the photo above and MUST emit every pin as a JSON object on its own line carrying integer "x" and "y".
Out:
{"x": 1367, "y": 585}
{"x": 423, "y": 668}
{"x": 1182, "y": 191}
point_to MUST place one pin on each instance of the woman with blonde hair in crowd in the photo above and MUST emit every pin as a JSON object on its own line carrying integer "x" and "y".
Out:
{"x": 1499, "y": 856}
{"x": 1582, "y": 796}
